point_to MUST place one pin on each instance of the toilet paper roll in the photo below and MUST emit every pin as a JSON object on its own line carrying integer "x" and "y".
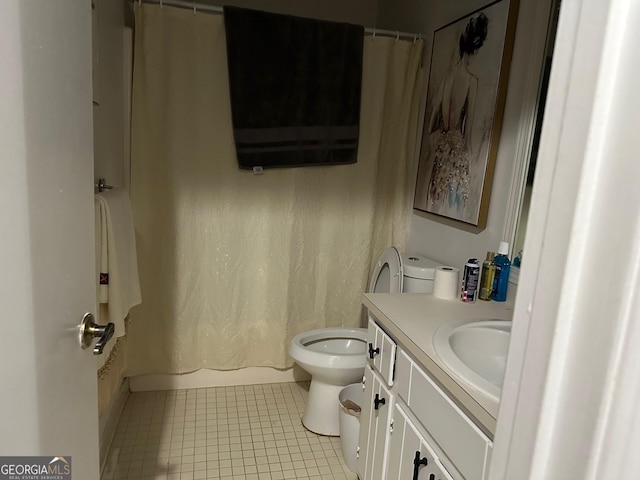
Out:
{"x": 446, "y": 282}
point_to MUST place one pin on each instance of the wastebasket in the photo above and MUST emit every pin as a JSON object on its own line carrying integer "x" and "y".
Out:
{"x": 350, "y": 402}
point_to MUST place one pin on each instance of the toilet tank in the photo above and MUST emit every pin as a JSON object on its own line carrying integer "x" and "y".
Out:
{"x": 418, "y": 273}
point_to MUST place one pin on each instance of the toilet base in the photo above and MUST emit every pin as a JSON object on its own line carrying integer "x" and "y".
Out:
{"x": 321, "y": 414}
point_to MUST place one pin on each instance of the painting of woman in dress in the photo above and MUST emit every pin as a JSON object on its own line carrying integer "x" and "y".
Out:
{"x": 461, "y": 106}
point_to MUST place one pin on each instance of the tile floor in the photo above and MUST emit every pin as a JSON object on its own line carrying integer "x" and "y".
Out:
{"x": 240, "y": 433}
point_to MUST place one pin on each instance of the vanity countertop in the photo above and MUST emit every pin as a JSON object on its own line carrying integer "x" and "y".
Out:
{"x": 412, "y": 318}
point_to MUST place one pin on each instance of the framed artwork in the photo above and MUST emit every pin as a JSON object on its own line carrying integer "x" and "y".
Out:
{"x": 466, "y": 93}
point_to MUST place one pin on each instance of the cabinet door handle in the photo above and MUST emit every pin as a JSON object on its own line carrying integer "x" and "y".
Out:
{"x": 417, "y": 463}
{"x": 378, "y": 401}
{"x": 373, "y": 351}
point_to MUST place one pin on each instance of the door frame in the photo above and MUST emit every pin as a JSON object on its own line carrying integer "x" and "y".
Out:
{"x": 570, "y": 392}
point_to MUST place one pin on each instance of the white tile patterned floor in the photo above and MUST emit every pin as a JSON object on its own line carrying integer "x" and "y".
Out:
{"x": 241, "y": 433}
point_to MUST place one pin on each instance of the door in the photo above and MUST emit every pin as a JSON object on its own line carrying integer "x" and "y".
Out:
{"x": 382, "y": 352}
{"x": 410, "y": 457}
{"x": 366, "y": 440}
{"x": 48, "y": 405}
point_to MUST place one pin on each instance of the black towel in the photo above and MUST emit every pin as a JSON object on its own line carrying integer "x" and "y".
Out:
{"x": 295, "y": 89}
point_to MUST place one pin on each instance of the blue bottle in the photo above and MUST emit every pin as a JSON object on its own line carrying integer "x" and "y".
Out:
{"x": 501, "y": 280}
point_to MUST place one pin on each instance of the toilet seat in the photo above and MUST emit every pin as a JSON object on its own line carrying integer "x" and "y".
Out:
{"x": 350, "y": 355}
{"x": 387, "y": 275}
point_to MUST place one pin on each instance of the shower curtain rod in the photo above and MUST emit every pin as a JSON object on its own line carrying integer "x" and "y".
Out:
{"x": 201, "y": 7}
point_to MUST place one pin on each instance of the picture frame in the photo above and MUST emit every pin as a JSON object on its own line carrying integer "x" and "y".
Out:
{"x": 466, "y": 93}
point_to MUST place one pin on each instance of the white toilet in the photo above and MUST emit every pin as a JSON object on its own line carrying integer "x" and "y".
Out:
{"x": 335, "y": 357}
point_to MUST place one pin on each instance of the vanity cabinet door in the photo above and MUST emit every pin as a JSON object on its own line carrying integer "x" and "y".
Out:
{"x": 381, "y": 351}
{"x": 374, "y": 427}
{"x": 455, "y": 433}
{"x": 410, "y": 457}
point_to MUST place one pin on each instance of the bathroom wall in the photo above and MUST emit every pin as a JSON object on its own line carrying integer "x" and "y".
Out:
{"x": 442, "y": 242}
{"x": 108, "y": 114}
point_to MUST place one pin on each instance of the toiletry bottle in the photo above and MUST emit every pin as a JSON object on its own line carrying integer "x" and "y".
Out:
{"x": 488, "y": 274}
{"x": 518, "y": 260}
{"x": 503, "y": 266}
{"x": 470, "y": 281}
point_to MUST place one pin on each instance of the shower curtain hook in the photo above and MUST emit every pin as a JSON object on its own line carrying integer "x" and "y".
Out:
{"x": 415, "y": 37}
{"x": 160, "y": 3}
{"x": 397, "y": 35}
{"x": 194, "y": 7}
{"x": 139, "y": 3}
{"x": 373, "y": 37}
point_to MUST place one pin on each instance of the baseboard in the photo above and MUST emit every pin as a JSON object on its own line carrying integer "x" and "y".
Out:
{"x": 108, "y": 421}
{"x": 217, "y": 378}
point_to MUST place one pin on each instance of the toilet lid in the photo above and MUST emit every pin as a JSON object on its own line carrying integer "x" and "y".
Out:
{"x": 387, "y": 274}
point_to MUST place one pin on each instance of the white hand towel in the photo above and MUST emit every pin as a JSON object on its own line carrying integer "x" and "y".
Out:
{"x": 102, "y": 254}
{"x": 118, "y": 259}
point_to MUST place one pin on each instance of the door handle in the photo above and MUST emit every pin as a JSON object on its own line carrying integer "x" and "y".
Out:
{"x": 373, "y": 351}
{"x": 417, "y": 463}
{"x": 89, "y": 330}
{"x": 377, "y": 401}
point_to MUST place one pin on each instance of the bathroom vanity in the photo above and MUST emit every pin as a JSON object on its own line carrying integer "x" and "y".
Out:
{"x": 420, "y": 419}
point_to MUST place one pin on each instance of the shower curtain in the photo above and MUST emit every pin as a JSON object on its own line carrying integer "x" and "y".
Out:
{"x": 233, "y": 265}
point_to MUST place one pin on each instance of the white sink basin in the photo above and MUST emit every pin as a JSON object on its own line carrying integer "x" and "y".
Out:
{"x": 475, "y": 352}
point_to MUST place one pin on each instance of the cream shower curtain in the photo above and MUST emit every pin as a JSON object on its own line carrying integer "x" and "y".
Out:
{"x": 232, "y": 264}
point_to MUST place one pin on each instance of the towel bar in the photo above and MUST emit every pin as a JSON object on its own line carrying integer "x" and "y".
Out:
{"x": 102, "y": 185}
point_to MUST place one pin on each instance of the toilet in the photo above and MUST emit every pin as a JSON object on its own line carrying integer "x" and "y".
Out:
{"x": 335, "y": 357}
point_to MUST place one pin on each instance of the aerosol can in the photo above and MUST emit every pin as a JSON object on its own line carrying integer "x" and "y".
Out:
{"x": 470, "y": 279}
